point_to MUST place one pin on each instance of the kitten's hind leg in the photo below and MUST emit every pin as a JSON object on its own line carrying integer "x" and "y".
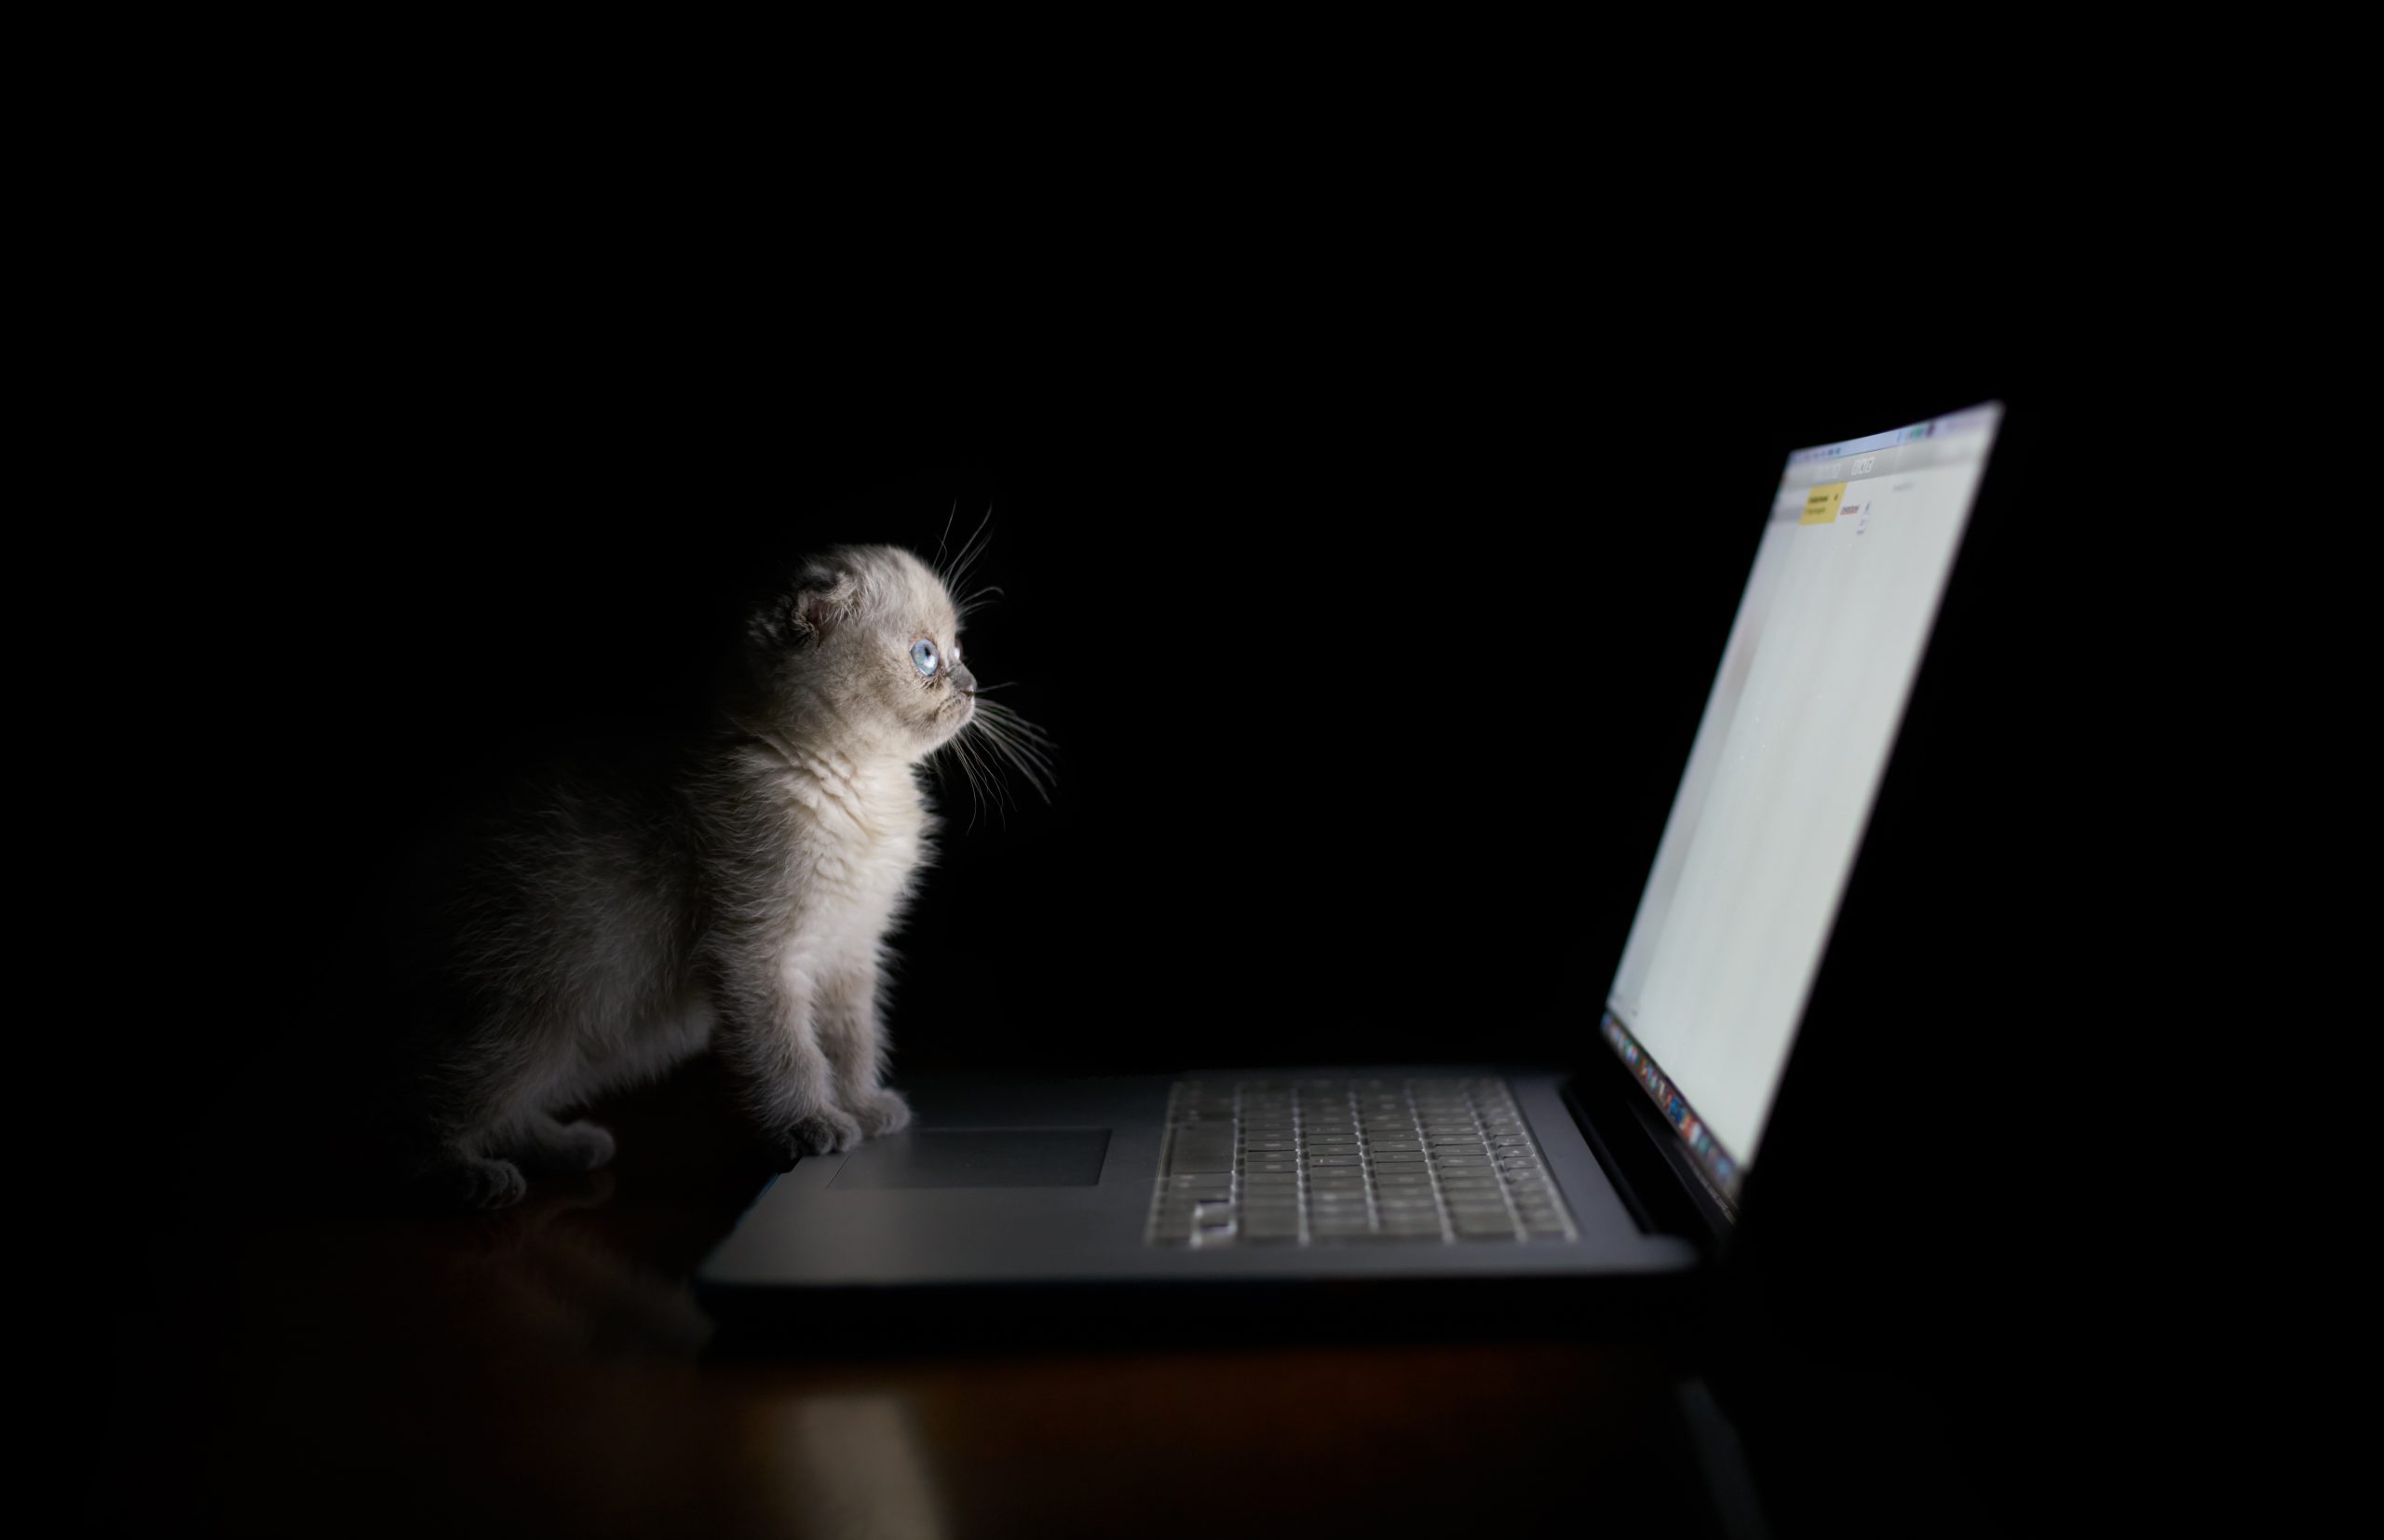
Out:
{"x": 468, "y": 1163}
{"x": 476, "y": 1180}
{"x": 541, "y": 1142}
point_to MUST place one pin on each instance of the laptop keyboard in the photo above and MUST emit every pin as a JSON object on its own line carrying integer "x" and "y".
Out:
{"x": 1302, "y": 1162}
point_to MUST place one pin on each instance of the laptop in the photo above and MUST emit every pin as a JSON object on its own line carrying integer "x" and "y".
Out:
{"x": 1629, "y": 1164}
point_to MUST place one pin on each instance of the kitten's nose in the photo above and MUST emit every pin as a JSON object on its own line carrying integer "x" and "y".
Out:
{"x": 964, "y": 679}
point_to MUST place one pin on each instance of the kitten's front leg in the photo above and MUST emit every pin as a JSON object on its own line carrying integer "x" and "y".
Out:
{"x": 767, "y": 1038}
{"x": 856, "y": 1047}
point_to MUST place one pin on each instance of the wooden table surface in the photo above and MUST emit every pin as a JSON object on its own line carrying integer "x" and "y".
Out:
{"x": 346, "y": 1370}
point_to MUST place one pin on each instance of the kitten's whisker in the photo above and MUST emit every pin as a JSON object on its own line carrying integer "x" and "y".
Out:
{"x": 1008, "y": 732}
{"x": 1019, "y": 752}
{"x": 959, "y": 746}
{"x": 998, "y": 795}
{"x": 1010, "y": 720}
{"x": 1033, "y": 777}
{"x": 1007, "y": 718}
{"x": 1035, "y": 768}
{"x": 1001, "y": 795}
{"x": 937, "y": 566}
{"x": 976, "y": 786}
{"x": 968, "y": 553}
{"x": 1034, "y": 783}
{"x": 967, "y": 746}
{"x": 1001, "y": 791}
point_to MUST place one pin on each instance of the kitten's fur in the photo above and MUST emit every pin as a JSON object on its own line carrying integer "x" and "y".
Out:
{"x": 742, "y": 906}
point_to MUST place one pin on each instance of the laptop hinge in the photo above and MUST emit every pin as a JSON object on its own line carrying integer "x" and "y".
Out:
{"x": 1662, "y": 1188}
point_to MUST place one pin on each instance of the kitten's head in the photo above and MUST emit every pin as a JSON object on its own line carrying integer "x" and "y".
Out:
{"x": 871, "y": 633}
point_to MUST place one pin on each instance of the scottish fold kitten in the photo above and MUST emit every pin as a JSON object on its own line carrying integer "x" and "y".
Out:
{"x": 743, "y": 904}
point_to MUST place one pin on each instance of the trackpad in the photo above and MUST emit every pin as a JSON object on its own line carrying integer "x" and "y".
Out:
{"x": 979, "y": 1157}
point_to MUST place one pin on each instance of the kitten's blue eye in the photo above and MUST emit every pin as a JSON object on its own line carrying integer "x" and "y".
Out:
{"x": 923, "y": 654}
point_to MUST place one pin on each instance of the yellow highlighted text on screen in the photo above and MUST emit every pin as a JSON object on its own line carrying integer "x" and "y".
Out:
{"x": 1820, "y": 504}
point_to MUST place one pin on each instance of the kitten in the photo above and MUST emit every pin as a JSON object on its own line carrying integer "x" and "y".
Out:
{"x": 743, "y": 904}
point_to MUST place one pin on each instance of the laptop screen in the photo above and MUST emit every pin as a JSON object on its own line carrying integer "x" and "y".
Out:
{"x": 1782, "y": 774}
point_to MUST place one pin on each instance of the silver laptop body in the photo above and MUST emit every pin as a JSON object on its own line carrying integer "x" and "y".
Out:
{"x": 1269, "y": 1173}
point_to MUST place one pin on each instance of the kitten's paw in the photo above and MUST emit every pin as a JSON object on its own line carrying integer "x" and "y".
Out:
{"x": 826, "y": 1131}
{"x": 584, "y": 1146}
{"x": 879, "y": 1111}
{"x": 549, "y": 1147}
{"x": 488, "y": 1184}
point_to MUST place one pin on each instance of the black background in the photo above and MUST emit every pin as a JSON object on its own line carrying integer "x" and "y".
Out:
{"x": 1372, "y": 662}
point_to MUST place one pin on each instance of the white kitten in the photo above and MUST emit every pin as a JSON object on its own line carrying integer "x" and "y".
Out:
{"x": 744, "y": 905}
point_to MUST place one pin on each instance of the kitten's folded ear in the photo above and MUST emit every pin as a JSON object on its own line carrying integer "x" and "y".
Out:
{"x": 821, "y": 598}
